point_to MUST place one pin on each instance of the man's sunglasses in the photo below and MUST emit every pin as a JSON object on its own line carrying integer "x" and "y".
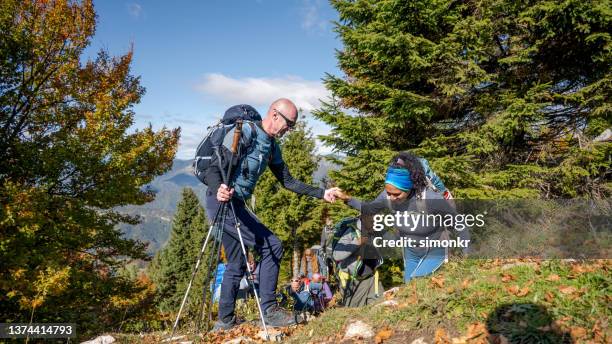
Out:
{"x": 290, "y": 123}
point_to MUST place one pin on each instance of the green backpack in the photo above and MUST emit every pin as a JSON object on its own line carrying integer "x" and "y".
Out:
{"x": 349, "y": 253}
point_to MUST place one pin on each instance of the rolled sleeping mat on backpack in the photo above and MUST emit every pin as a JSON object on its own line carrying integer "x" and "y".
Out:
{"x": 240, "y": 111}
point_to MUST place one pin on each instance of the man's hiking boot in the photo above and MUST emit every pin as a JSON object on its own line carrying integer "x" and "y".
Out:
{"x": 275, "y": 316}
{"x": 222, "y": 325}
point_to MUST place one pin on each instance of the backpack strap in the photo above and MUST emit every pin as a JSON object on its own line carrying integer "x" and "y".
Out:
{"x": 430, "y": 184}
{"x": 420, "y": 201}
{"x": 253, "y": 132}
{"x": 272, "y": 148}
{"x": 254, "y": 136}
{"x": 376, "y": 291}
{"x": 362, "y": 248}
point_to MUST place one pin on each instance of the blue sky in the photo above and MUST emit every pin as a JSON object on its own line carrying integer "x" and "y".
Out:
{"x": 197, "y": 58}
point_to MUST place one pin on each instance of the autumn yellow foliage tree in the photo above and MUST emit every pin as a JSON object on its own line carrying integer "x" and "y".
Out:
{"x": 68, "y": 158}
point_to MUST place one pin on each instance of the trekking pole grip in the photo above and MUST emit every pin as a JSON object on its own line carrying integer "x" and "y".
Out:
{"x": 237, "y": 133}
{"x": 234, "y": 151}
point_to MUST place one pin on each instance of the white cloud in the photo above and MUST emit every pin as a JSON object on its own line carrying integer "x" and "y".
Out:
{"x": 263, "y": 91}
{"x": 311, "y": 16}
{"x": 134, "y": 10}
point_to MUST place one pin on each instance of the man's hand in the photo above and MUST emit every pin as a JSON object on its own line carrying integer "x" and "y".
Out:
{"x": 341, "y": 195}
{"x": 224, "y": 193}
{"x": 330, "y": 194}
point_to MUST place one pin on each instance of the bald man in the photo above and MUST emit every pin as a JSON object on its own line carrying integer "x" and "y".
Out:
{"x": 264, "y": 151}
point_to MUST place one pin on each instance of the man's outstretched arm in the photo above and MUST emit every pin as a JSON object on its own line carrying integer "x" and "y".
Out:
{"x": 281, "y": 172}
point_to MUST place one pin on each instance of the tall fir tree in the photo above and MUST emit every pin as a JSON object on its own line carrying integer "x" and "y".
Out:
{"x": 69, "y": 160}
{"x": 503, "y": 97}
{"x": 172, "y": 266}
{"x": 286, "y": 213}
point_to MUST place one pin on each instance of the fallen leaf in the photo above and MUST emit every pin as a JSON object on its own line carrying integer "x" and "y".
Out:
{"x": 550, "y": 297}
{"x": 580, "y": 269}
{"x": 440, "y": 337}
{"x": 567, "y": 289}
{"x": 477, "y": 333}
{"x": 383, "y": 335}
{"x": 577, "y": 332}
{"x": 553, "y": 278}
{"x": 438, "y": 281}
{"x": 524, "y": 291}
{"x": 465, "y": 283}
{"x": 476, "y": 329}
{"x": 598, "y": 334}
{"x": 507, "y": 278}
{"x": 460, "y": 340}
{"x": 516, "y": 290}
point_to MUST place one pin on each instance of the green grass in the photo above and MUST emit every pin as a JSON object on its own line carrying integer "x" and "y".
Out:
{"x": 478, "y": 291}
{"x": 557, "y": 302}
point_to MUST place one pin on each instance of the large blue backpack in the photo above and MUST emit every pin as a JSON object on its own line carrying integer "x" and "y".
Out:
{"x": 215, "y": 147}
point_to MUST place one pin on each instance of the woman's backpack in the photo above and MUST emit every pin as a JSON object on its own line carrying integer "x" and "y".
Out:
{"x": 356, "y": 263}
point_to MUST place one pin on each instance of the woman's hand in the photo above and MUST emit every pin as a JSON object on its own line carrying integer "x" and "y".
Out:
{"x": 338, "y": 193}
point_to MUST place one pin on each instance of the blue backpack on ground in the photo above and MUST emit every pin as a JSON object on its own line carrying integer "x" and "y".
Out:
{"x": 214, "y": 148}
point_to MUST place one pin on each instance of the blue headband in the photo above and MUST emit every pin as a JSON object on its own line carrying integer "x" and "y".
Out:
{"x": 400, "y": 178}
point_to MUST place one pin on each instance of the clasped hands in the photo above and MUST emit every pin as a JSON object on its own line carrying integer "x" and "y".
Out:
{"x": 224, "y": 194}
{"x": 332, "y": 194}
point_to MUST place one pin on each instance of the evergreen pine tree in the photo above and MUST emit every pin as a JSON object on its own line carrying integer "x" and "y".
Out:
{"x": 172, "y": 267}
{"x": 503, "y": 97}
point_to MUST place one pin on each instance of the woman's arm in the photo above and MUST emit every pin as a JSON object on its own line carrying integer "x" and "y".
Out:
{"x": 375, "y": 206}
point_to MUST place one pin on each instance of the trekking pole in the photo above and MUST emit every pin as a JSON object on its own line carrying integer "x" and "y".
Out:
{"x": 213, "y": 269}
{"x": 193, "y": 274}
{"x": 222, "y": 210}
{"x": 219, "y": 237}
{"x": 250, "y": 276}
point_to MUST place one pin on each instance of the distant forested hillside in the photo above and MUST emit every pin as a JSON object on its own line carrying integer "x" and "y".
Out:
{"x": 156, "y": 217}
